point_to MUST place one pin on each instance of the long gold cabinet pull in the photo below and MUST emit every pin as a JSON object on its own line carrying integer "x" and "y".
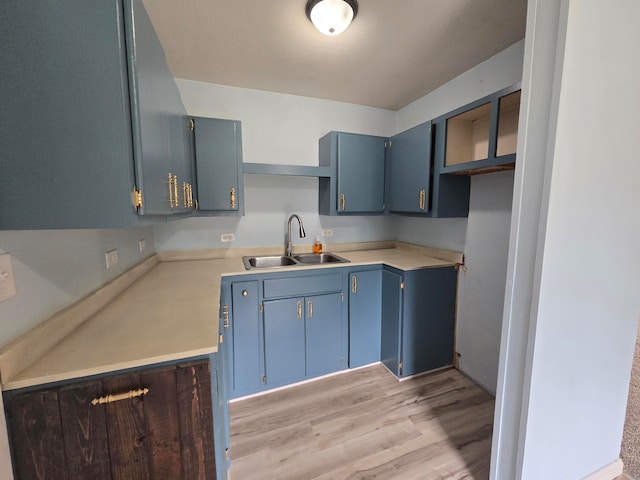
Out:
{"x": 170, "y": 189}
{"x": 310, "y": 307}
{"x": 354, "y": 284}
{"x": 233, "y": 198}
{"x": 120, "y": 396}
{"x": 342, "y": 202}
{"x": 176, "y": 200}
{"x": 299, "y": 309}
{"x": 422, "y": 199}
{"x": 187, "y": 191}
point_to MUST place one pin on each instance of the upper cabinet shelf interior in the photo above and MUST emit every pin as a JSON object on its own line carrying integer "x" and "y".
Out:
{"x": 481, "y": 137}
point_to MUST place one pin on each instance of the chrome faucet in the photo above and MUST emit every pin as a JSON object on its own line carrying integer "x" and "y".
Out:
{"x": 288, "y": 248}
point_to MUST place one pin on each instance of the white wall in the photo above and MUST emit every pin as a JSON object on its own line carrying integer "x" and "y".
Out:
{"x": 588, "y": 306}
{"x": 280, "y": 129}
{"x": 484, "y": 235}
{"x": 54, "y": 268}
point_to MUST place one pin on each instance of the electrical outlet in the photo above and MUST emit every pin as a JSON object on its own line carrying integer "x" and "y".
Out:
{"x": 327, "y": 232}
{"x": 227, "y": 237}
{"x": 111, "y": 258}
{"x": 7, "y": 282}
{"x": 142, "y": 245}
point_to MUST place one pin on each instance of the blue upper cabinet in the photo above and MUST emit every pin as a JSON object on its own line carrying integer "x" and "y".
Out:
{"x": 481, "y": 137}
{"x": 218, "y": 160}
{"x": 91, "y": 109}
{"x": 409, "y": 171}
{"x": 356, "y": 184}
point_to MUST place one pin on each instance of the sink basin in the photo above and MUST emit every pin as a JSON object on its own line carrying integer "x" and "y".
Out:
{"x": 315, "y": 258}
{"x": 267, "y": 261}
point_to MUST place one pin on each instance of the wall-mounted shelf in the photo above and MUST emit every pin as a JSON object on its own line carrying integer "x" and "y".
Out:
{"x": 290, "y": 170}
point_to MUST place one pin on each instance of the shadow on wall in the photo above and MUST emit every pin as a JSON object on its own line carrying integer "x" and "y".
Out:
{"x": 630, "y": 452}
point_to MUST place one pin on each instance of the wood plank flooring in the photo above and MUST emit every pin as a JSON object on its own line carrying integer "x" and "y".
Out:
{"x": 364, "y": 424}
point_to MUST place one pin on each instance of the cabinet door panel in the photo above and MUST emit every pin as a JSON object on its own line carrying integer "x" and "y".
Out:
{"x": 391, "y": 315}
{"x": 127, "y": 431}
{"x": 195, "y": 409}
{"x": 38, "y": 450}
{"x": 324, "y": 334}
{"x": 284, "y": 340}
{"x": 245, "y": 336}
{"x": 85, "y": 432}
{"x": 218, "y": 151}
{"x": 360, "y": 173}
{"x": 409, "y": 170}
{"x": 161, "y": 415}
{"x": 365, "y": 305}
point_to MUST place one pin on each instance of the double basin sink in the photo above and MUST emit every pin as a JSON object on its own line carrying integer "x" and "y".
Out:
{"x": 274, "y": 261}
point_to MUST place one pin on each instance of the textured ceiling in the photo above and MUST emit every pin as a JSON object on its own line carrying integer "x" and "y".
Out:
{"x": 394, "y": 52}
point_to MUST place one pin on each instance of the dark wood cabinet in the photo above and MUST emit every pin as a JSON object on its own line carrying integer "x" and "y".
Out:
{"x": 64, "y": 432}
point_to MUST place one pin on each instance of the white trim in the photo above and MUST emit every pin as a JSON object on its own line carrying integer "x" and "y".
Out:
{"x": 608, "y": 472}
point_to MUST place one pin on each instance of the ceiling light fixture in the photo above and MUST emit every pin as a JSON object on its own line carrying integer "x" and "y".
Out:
{"x": 331, "y": 17}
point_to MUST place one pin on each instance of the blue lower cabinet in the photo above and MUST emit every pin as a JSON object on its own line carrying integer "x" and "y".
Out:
{"x": 244, "y": 338}
{"x": 418, "y": 319}
{"x": 365, "y": 306}
{"x": 323, "y": 334}
{"x": 284, "y": 341}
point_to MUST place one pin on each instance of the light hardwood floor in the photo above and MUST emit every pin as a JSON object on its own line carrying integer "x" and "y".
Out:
{"x": 364, "y": 424}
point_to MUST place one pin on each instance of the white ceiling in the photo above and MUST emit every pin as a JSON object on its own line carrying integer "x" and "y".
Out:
{"x": 394, "y": 52}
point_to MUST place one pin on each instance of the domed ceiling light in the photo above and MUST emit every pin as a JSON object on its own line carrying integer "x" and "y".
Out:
{"x": 332, "y": 17}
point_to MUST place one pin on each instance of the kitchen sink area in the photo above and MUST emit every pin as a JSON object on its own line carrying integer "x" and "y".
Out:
{"x": 275, "y": 261}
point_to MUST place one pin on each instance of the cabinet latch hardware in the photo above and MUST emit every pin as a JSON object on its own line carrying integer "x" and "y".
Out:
{"x": 261, "y": 307}
{"x": 225, "y": 316}
{"x": 136, "y": 198}
{"x": 192, "y": 124}
{"x": 264, "y": 379}
{"x": 354, "y": 284}
{"x": 401, "y": 285}
{"x": 342, "y": 202}
{"x": 422, "y": 199}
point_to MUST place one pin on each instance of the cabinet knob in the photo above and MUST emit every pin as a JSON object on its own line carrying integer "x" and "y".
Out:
{"x": 245, "y": 293}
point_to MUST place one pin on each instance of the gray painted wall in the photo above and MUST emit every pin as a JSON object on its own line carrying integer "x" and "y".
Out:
{"x": 54, "y": 268}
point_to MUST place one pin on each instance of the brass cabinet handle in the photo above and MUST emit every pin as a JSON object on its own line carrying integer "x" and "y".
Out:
{"x": 185, "y": 194}
{"x": 342, "y": 202}
{"x": 120, "y": 396}
{"x": 245, "y": 293}
{"x": 310, "y": 305}
{"x": 176, "y": 199}
{"x": 170, "y": 189}
{"x": 299, "y": 309}
{"x": 354, "y": 284}
{"x": 233, "y": 198}
{"x": 422, "y": 199}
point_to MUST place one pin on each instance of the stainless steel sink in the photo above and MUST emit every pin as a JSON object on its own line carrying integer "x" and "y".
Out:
{"x": 316, "y": 258}
{"x": 274, "y": 261}
{"x": 267, "y": 261}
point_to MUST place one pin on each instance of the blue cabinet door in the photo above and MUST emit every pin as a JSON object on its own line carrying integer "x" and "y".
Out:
{"x": 323, "y": 334}
{"x": 391, "y": 320}
{"x": 365, "y": 307}
{"x": 360, "y": 173}
{"x": 409, "y": 170}
{"x": 284, "y": 341}
{"x": 218, "y": 152}
{"x": 428, "y": 319}
{"x": 246, "y": 365}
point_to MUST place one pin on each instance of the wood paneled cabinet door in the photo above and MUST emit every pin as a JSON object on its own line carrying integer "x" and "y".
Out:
{"x": 165, "y": 431}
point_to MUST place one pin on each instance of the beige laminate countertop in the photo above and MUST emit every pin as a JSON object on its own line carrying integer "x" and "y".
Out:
{"x": 168, "y": 314}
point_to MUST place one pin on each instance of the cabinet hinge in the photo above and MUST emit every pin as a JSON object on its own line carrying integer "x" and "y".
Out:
{"x": 387, "y": 143}
{"x": 342, "y": 297}
{"x": 264, "y": 379}
{"x": 401, "y": 285}
{"x": 192, "y": 124}
{"x": 136, "y": 198}
{"x": 261, "y": 307}
{"x": 400, "y": 366}
{"x": 221, "y": 339}
{"x": 226, "y": 454}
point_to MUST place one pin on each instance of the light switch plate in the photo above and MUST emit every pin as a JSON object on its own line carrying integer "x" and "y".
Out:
{"x": 111, "y": 258}
{"x": 142, "y": 245}
{"x": 7, "y": 282}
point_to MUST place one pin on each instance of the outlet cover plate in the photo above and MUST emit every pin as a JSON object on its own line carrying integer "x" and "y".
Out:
{"x": 7, "y": 281}
{"x": 111, "y": 258}
{"x": 327, "y": 232}
{"x": 227, "y": 237}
